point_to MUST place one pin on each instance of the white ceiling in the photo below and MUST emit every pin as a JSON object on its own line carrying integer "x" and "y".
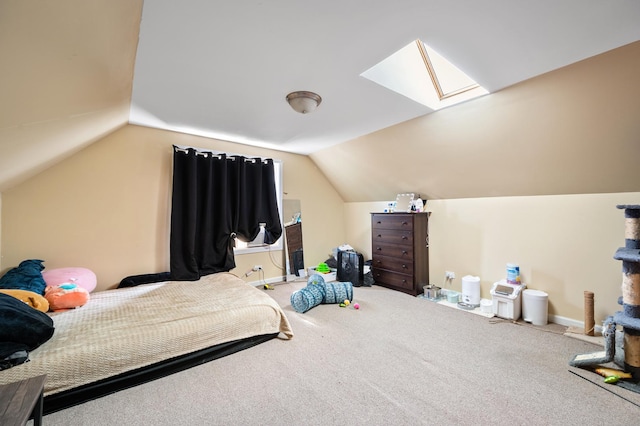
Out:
{"x": 223, "y": 68}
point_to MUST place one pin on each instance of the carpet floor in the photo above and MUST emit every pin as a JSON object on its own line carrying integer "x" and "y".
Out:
{"x": 398, "y": 360}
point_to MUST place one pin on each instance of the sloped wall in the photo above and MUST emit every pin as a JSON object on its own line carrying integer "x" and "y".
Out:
{"x": 571, "y": 131}
{"x": 67, "y": 71}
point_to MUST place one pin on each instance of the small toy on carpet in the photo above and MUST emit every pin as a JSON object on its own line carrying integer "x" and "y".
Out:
{"x": 612, "y": 375}
{"x": 347, "y": 303}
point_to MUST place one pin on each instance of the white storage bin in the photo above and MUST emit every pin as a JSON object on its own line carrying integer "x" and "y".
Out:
{"x": 328, "y": 277}
{"x": 507, "y": 299}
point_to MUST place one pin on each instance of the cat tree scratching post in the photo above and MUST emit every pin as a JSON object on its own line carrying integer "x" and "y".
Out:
{"x": 629, "y": 318}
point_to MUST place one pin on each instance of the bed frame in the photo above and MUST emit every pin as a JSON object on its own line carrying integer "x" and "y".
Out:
{"x": 91, "y": 391}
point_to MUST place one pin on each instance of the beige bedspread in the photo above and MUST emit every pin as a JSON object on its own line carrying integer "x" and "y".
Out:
{"x": 125, "y": 329}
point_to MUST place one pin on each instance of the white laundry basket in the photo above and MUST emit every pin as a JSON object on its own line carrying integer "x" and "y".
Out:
{"x": 535, "y": 307}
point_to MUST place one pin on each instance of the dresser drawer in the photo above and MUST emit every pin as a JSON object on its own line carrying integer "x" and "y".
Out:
{"x": 404, "y": 266}
{"x": 400, "y": 252}
{"x": 391, "y": 221}
{"x": 388, "y": 236}
{"x": 393, "y": 279}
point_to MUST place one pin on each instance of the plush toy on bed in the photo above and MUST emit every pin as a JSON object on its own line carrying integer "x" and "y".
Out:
{"x": 30, "y": 298}
{"x": 66, "y": 296}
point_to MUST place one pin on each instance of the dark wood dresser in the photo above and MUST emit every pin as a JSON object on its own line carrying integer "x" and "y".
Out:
{"x": 400, "y": 251}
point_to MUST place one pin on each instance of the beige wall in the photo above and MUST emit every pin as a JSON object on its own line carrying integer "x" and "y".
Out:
{"x": 107, "y": 208}
{"x": 563, "y": 244}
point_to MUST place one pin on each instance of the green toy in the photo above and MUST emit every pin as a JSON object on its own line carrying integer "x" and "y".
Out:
{"x": 323, "y": 268}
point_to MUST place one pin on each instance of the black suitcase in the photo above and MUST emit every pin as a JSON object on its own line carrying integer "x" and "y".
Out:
{"x": 350, "y": 267}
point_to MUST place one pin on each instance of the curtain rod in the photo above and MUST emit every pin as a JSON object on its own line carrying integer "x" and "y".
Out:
{"x": 205, "y": 152}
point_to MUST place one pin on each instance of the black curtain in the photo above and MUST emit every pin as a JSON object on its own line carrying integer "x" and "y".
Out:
{"x": 217, "y": 198}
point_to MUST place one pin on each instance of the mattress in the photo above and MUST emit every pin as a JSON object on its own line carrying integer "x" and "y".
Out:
{"x": 130, "y": 329}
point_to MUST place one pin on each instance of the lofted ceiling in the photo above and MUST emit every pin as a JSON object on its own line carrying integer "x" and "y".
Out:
{"x": 74, "y": 71}
{"x": 223, "y": 69}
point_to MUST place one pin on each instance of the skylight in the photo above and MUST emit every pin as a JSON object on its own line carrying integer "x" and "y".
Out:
{"x": 420, "y": 73}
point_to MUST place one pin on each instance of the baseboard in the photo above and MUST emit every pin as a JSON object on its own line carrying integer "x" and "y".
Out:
{"x": 267, "y": 281}
{"x": 569, "y": 322}
{"x": 294, "y": 278}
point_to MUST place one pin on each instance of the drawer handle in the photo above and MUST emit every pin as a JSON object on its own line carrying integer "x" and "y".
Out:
{"x": 404, "y": 266}
{"x": 405, "y": 223}
{"x": 379, "y": 222}
{"x": 404, "y": 281}
{"x": 378, "y": 248}
{"x": 379, "y": 236}
{"x": 404, "y": 252}
{"x": 378, "y": 262}
{"x": 404, "y": 237}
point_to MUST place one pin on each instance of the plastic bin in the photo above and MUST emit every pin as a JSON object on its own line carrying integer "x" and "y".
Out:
{"x": 507, "y": 299}
{"x": 535, "y": 307}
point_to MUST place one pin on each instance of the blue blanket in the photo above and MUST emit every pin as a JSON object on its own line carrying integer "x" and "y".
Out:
{"x": 26, "y": 276}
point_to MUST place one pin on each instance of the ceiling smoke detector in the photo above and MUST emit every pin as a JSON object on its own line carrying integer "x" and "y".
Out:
{"x": 304, "y": 102}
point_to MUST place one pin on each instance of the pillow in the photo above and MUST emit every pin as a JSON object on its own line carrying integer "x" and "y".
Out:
{"x": 30, "y": 298}
{"x": 134, "y": 280}
{"x": 27, "y": 276}
{"x": 66, "y": 296}
{"x": 82, "y": 277}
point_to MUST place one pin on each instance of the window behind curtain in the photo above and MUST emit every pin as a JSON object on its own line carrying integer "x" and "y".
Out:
{"x": 243, "y": 247}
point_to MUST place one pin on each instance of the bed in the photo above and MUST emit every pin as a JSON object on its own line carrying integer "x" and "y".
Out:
{"x": 127, "y": 336}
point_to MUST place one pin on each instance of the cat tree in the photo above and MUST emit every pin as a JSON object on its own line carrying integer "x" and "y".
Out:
{"x": 629, "y": 317}
{"x": 627, "y": 354}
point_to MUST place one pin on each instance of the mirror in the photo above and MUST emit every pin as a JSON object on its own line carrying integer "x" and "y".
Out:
{"x": 292, "y": 215}
{"x": 291, "y": 211}
{"x": 404, "y": 202}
